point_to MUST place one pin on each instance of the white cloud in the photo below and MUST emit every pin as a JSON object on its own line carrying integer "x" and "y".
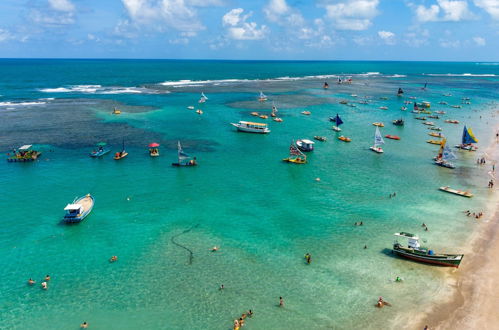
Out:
{"x": 417, "y": 37}
{"x": 239, "y": 29}
{"x": 233, "y": 17}
{"x": 387, "y": 36}
{"x": 51, "y": 19}
{"x": 5, "y": 35}
{"x": 278, "y": 11}
{"x": 479, "y": 41}
{"x": 62, "y": 5}
{"x": 444, "y": 10}
{"x": 490, "y": 6}
{"x": 352, "y": 14}
{"x": 176, "y": 14}
{"x": 450, "y": 43}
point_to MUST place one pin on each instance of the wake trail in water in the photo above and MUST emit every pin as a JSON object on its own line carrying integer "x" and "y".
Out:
{"x": 191, "y": 254}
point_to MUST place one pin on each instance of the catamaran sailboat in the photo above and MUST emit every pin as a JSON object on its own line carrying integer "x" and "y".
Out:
{"x": 338, "y": 122}
{"x": 262, "y": 97}
{"x": 467, "y": 140}
{"x": 378, "y": 140}
{"x": 445, "y": 155}
{"x": 274, "y": 111}
{"x": 183, "y": 158}
{"x": 295, "y": 155}
{"x": 122, "y": 153}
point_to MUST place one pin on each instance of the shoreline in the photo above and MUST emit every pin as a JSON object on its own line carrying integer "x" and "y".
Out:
{"x": 473, "y": 303}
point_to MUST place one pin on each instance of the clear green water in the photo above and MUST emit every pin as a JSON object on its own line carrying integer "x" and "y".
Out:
{"x": 263, "y": 213}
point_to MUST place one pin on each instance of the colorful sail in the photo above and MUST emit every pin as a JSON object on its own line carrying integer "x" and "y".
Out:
{"x": 447, "y": 154}
{"x": 468, "y": 136}
{"x": 338, "y": 120}
{"x": 294, "y": 151}
{"x": 378, "y": 139}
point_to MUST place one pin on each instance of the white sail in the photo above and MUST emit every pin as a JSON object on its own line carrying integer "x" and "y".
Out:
{"x": 262, "y": 96}
{"x": 378, "y": 139}
{"x": 203, "y": 96}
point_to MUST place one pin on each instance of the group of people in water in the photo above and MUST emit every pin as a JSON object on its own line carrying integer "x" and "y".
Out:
{"x": 44, "y": 284}
{"x": 238, "y": 323}
{"x": 476, "y": 215}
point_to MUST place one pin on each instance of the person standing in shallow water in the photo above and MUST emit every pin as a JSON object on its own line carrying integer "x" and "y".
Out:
{"x": 281, "y": 302}
{"x": 308, "y": 258}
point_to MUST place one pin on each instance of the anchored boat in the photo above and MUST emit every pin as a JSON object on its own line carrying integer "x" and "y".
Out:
{"x": 338, "y": 122}
{"x": 251, "y": 127}
{"x": 456, "y": 191}
{"x": 467, "y": 140}
{"x": 183, "y": 158}
{"x": 305, "y": 145}
{"x": 444, "y": 156}
{"x": 415, "y": 252}
{"x": 122, "y": 154}
{"x": 398, "y": 122}
{"x": 24, "y": 154}
{"x": 153, "y": 149}
{"x": 101, "y": 150}
{"x": 79, "y": 209}
{"x": 295, "y": 155}
{"x": 378, "y": 140}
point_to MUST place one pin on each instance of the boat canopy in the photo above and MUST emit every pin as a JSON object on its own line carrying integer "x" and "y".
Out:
{"x": 72, "y": 207}
{"x": 407, "y": 235}
{"x": 252, "y": 123}
{"x": 307, "y": 141}
{"x": 25, "y": 147}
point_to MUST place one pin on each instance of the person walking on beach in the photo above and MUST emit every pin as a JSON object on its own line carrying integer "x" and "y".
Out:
{"x": 281, "y": 302}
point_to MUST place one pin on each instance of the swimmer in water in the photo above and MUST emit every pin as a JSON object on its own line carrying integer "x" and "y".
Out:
{"x": 31, "y": 281}
{"x": 281, "y": 302}
{"x": 308, "y": 258}
{"x": 222, "y": 287}
{"x": 44, "y": 286}
{"x": 47, "y": 278}
{"x": 84, "y": 325}
{"x": 214, "y": 249}
{"x": 398, "y": 279}
{"x": 250, "y": 313}
{"x": 113, "y": 259}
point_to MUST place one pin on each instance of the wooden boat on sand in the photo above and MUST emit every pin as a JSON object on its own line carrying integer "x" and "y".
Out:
{"x": 416, "y": 252}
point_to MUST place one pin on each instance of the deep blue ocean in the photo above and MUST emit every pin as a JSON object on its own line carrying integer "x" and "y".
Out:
{"x": 264, "y": 214}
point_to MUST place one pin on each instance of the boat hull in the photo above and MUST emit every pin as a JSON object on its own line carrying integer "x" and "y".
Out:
{"x": 99, "y": 153}
{"x": 123, "y": 155}
{"x": 295, "y": 160}
{"x": 377, "y": 150}
{"x": 447, "y": 260}
{"x": 183, "y": 164}
{"x": 251, "y": 130}
{"x": 80, "y": 217}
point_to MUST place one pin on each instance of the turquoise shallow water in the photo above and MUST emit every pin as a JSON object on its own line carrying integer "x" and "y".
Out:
{"x": 264, "y": 214}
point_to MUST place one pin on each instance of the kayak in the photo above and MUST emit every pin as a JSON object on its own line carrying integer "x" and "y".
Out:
{"x": 393, "y": 137}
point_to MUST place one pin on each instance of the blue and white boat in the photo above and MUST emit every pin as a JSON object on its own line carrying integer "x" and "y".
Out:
{"x": 338, "y": 122}
{"x": 378, "y": 141}
{"x": 183, "y": 158}
{"x": 101, "y": 150}
{"x": 79, "y": 209}
{"x": 445, "y": 155}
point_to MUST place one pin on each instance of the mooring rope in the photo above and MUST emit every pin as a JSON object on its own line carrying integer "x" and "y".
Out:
{"x": 191, "y": 254}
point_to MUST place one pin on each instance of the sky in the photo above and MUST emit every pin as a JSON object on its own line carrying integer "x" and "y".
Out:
{"x": 441, "y": 30}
